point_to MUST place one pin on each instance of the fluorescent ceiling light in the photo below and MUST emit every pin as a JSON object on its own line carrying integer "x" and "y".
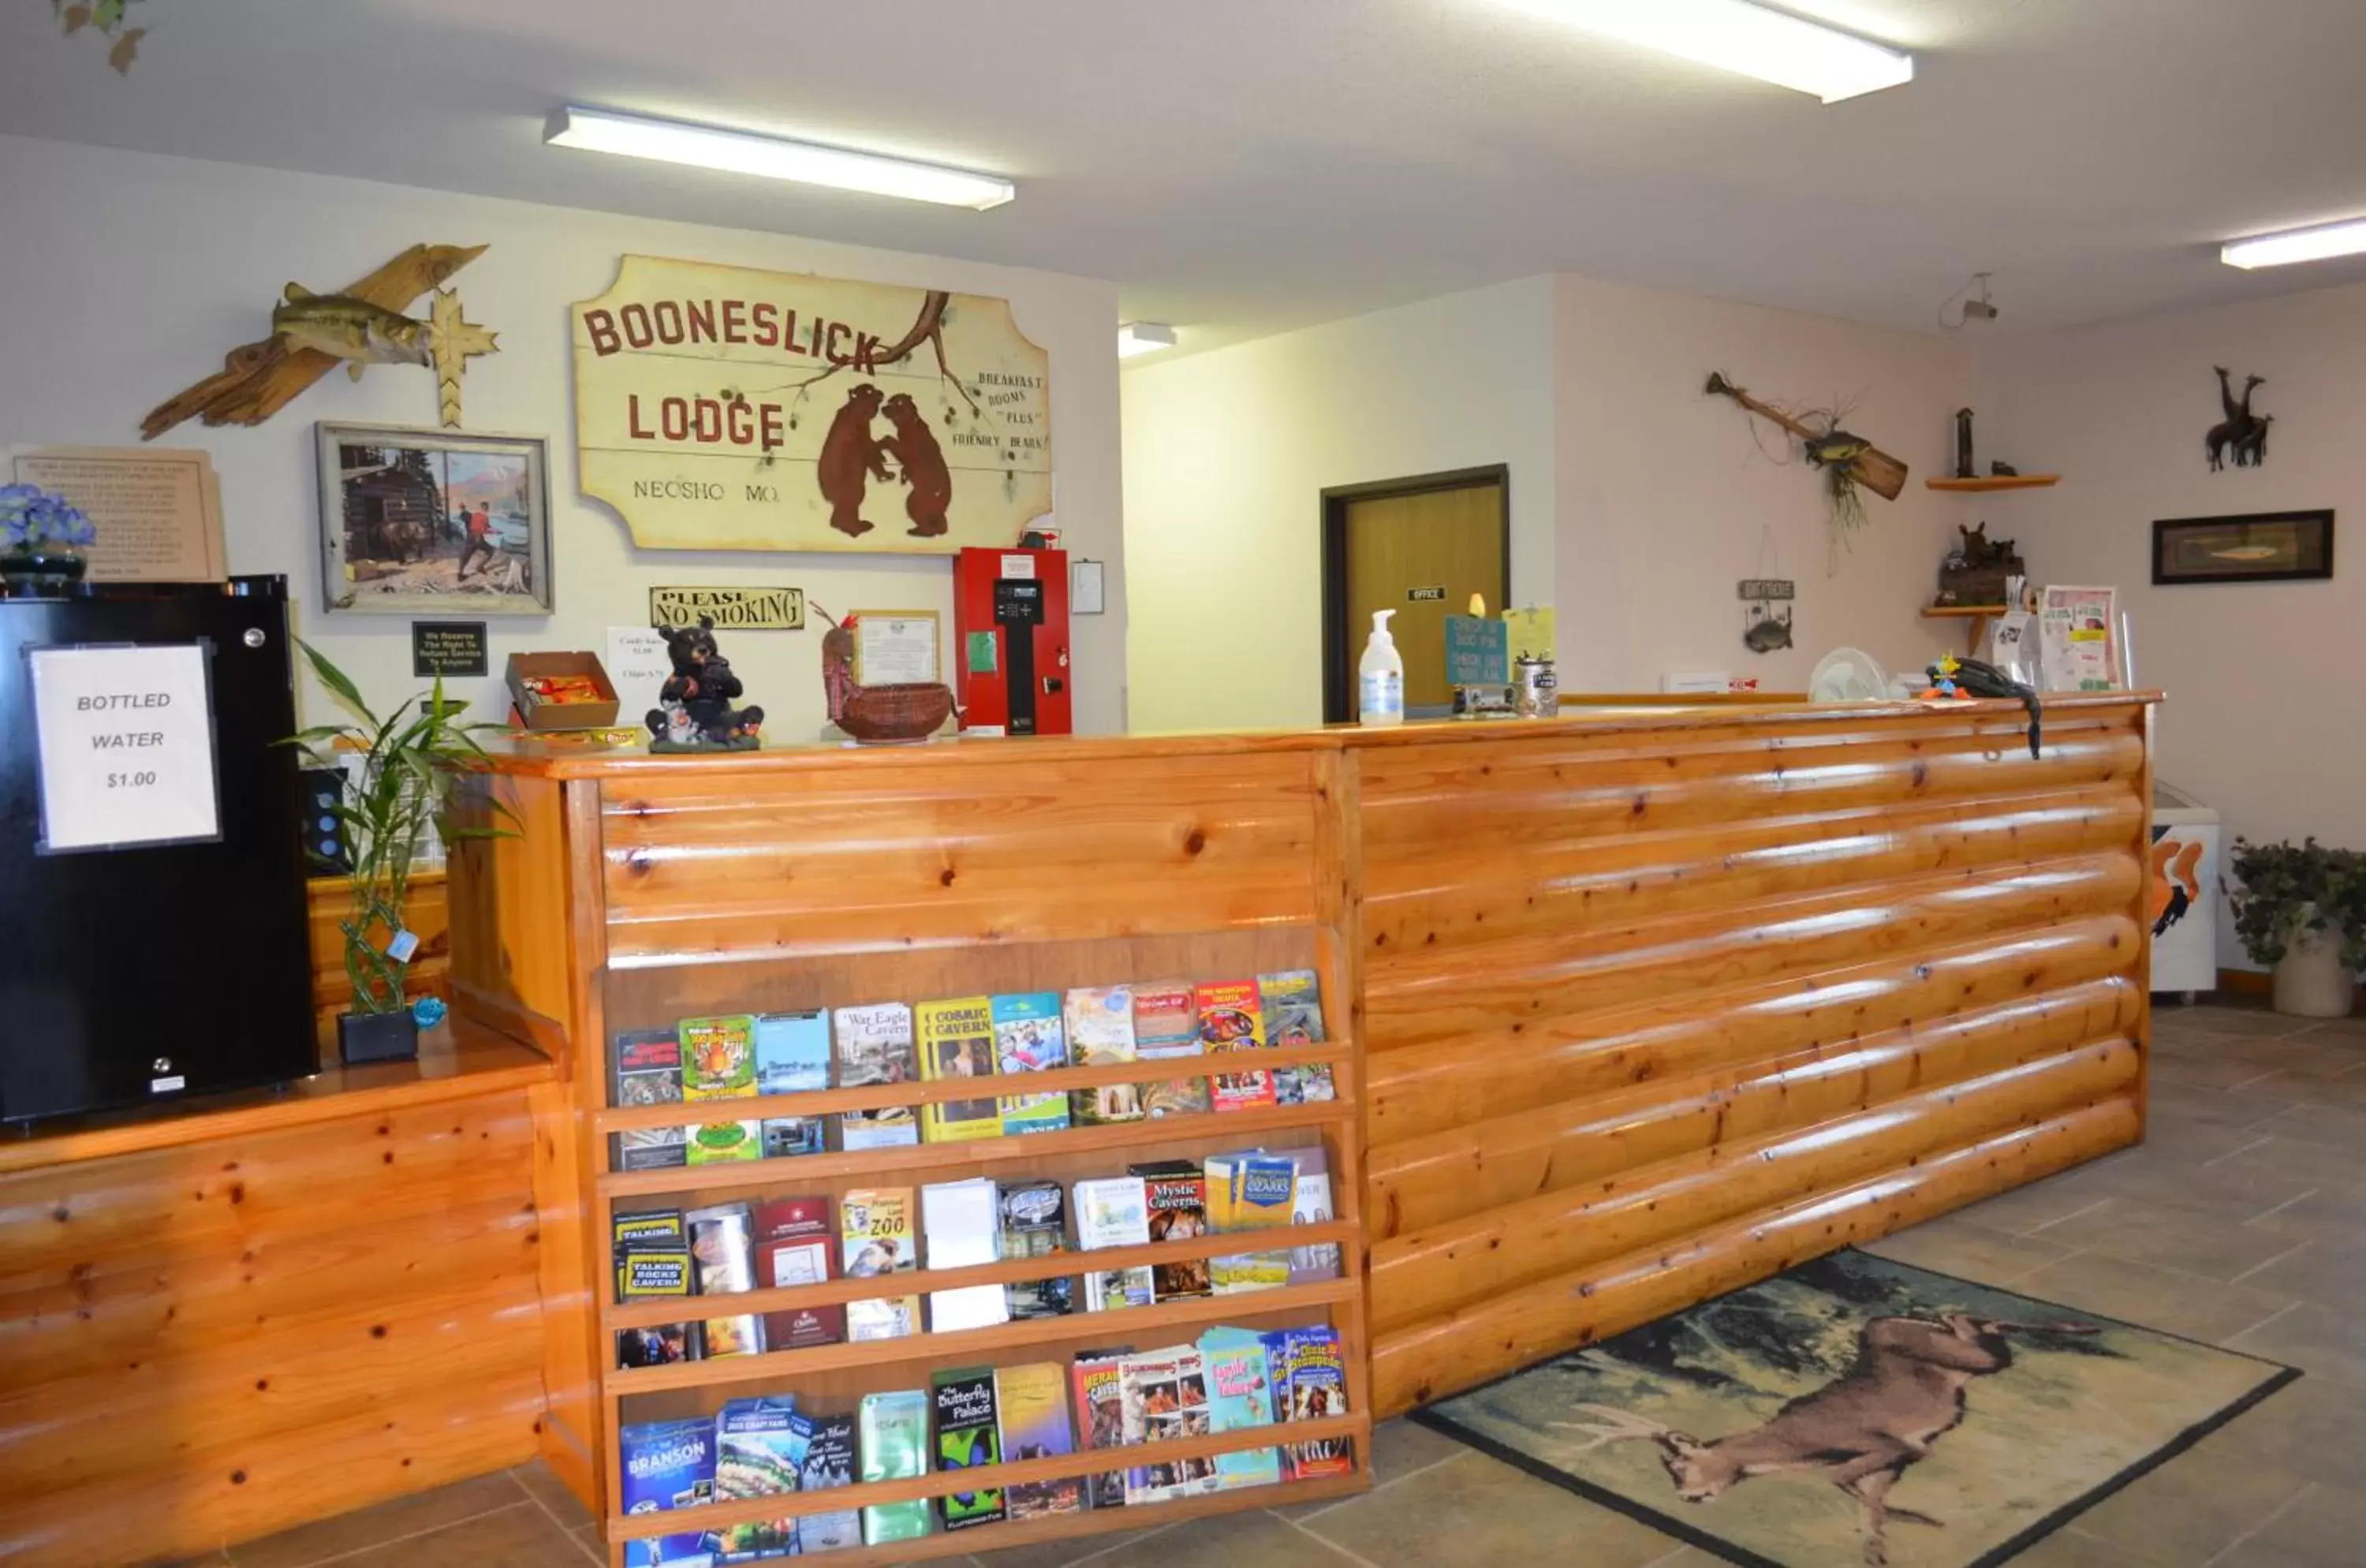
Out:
{"x": 1734, "y": 35}
{"x": 1142, "y": 337}
{"x": 738, "y": 153}
{"x": 2297, "y": 245}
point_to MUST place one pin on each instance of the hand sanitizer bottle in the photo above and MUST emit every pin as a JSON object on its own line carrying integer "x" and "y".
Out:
{"x": 1381, "y": 676}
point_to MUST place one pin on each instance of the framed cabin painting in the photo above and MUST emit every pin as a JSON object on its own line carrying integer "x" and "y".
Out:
{"x": 434, "y": 522}
{"x": 2265, "y": 547}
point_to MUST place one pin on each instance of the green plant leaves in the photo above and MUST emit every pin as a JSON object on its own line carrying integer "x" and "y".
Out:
{"x": 2286, "y": 888}
{"x": 412, "y": 759}
{"x": 343, "y": 689}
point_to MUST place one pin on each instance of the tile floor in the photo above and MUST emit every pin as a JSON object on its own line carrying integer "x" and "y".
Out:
{"x": 2241, "y": 1221}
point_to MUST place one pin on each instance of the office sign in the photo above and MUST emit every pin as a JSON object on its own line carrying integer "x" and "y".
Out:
{"x": 721, "y": 408}
{"x": 126, "y": 740}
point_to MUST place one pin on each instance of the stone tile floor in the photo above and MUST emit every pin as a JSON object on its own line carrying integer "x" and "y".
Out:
{"x": 2241, "y": 1221}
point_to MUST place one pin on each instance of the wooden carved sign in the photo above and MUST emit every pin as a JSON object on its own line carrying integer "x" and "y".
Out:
{"x": 725, "y": 408}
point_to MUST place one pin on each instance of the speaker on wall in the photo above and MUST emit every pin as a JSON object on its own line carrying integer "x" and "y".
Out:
{"x": 326, "y": 852}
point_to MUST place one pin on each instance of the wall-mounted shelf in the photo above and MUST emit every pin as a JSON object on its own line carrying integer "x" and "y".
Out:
{"x": 1979, "y": 615}
{"x": 1997, "y": 481}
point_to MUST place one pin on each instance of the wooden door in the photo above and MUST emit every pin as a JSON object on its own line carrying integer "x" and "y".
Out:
{"x": 1421, "y": 552}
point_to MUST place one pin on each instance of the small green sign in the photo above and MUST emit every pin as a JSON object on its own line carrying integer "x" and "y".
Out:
{"x": 979, "y": 657}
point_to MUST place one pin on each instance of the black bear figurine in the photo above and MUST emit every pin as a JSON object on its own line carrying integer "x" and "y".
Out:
{"x": 694, "y": 711}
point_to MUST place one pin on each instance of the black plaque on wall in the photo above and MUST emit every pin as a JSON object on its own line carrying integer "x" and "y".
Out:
{"x": 448, "y": 648}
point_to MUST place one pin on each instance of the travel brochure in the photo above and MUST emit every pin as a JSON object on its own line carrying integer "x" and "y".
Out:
{"x": 711, "y": 1062}
{"x": 1228, "y": 1380}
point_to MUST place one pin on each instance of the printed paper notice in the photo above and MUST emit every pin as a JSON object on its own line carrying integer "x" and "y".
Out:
{"x": 155, "y": 510}
{"x": 2076, "y": 639}
{"x": 893, "y": 649}
{"x": 638, "y": 663}
{"x": 127, "y": 747}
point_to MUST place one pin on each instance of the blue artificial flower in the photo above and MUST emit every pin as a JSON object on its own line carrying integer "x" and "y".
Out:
{"x": 30, "y": 515}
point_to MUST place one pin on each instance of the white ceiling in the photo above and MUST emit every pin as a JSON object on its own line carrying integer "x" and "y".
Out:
{"x": 1242, "y": 166}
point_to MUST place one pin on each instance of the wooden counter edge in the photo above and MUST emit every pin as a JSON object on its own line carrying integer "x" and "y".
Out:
{"x": 507, "y": 757}
{"x": 472, "y": 1060}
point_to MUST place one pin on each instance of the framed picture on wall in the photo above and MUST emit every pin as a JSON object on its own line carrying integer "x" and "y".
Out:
{"x": 2265, "y": 547}
{"x": 434, "y": 522}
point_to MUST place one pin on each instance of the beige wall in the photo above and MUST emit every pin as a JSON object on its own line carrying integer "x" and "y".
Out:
{"x": 125, "y": 277}
{"x": 2266, "y": 688}
{"x": 1668, "y": 498}
{"x": 1638, "y": 504}
{"x": 1227, "y": 455}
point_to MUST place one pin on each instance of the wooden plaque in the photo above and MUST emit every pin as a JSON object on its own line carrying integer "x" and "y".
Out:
{"x": 725, "y": 408}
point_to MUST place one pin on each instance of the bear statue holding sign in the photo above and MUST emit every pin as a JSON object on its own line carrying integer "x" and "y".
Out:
{"x": 694, "y": 711}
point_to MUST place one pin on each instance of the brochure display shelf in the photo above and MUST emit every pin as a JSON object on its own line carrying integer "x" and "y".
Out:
{"x": 831, "y": 1378}
{"x": 634, "y": 899}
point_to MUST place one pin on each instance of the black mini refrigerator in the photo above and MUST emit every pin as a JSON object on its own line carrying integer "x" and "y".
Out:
{"x": 152, "y": 922}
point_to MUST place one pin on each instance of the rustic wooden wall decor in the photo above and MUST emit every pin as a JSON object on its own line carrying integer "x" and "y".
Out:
{"x": 260, "y": 379}
{"x": 725, "y": 408}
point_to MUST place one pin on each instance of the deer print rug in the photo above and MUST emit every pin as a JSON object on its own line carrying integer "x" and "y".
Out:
{"x": 1860, "y": 1411}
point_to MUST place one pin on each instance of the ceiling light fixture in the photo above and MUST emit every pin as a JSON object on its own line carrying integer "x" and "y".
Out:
{"x": 2326, "y": 240}
{"x": 1746, "y": 39}
{"x": 1142, "y": 337}
{"x": 739, "y": 153}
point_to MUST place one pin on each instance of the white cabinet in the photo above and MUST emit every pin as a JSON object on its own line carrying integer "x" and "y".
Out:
{"x": 2183, "y": 892}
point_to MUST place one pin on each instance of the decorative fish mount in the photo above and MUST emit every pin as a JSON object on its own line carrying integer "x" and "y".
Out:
{"x": 352, "y": 330}
{"x": 361, "y": 326}
{"x": 1853, "y": 457}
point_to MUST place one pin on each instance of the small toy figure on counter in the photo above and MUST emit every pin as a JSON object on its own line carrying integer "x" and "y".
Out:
{"x": 1942, "y": 678}
{"x": 694, "y": 711}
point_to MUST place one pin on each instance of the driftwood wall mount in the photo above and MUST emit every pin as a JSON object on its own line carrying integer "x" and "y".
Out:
{"x": 258, "y": 379}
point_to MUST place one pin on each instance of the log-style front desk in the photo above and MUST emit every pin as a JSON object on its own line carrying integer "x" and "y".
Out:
{"x": 1628, "y": 1007}
{"x": 271, "y": 1309}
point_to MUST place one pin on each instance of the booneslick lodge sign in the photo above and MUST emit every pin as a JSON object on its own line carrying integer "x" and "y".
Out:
{"x": 723, "y": 408}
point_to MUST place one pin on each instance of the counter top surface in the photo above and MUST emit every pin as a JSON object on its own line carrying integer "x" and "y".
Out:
{"x": 543, "y": 757}
{"x": 457, "y": 1060}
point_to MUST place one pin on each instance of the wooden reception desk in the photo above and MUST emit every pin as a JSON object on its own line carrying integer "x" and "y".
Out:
{"x": 1640, "y": 1004}
{"x": 1628, "y": 1007}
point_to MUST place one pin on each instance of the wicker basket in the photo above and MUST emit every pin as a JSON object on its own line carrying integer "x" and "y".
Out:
{"x": 885, "y": 714}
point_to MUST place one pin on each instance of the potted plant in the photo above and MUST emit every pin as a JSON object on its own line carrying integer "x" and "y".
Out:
{"x": 409, "y": 761}
{"x": 2302, "y": 910}
{"x": 42, "y": 537}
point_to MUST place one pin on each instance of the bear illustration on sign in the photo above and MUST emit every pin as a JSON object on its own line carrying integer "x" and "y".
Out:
{"x": 850, "y": 456}
{"x": 915, "y": 449}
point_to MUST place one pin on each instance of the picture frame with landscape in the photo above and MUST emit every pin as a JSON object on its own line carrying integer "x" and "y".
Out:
{"x": 429, "y": 522}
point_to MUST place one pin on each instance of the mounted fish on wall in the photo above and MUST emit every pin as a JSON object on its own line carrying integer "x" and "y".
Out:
{"x": 363, "y": 325}
{"x": 1849, "y": 462}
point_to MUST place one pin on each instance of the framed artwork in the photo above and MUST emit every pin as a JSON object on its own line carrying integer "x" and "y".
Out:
{"x": 2265, "y": 547}
{"x": 434, "y": 522}
{"x": 896, "y": 648}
